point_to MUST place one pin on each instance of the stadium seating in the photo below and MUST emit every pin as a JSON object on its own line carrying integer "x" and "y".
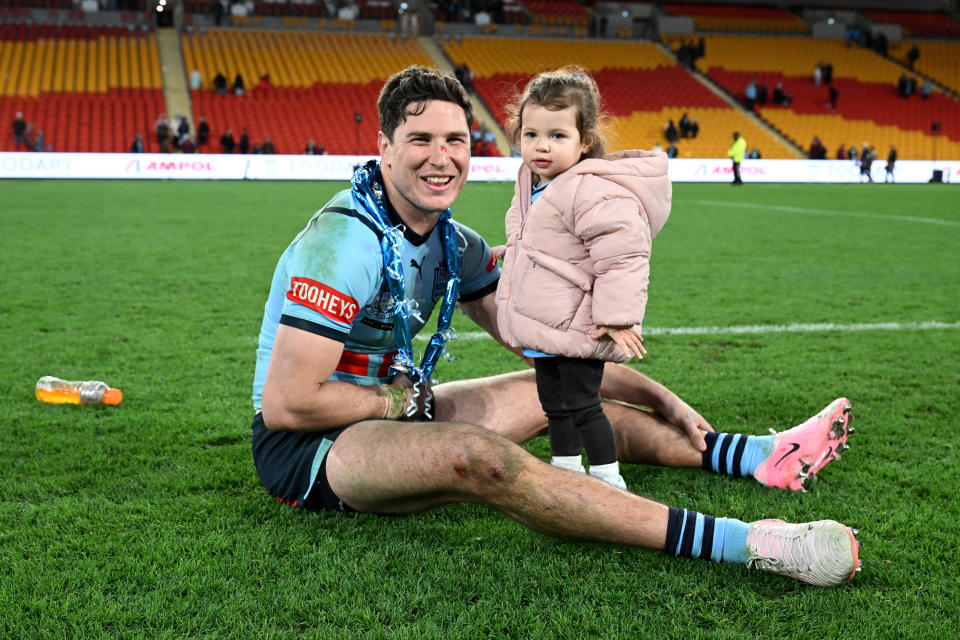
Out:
{"x": 641, "y": 86}
{"x": 557, "y": 12}
{"x": 320, "y": 82}
{"x": 88, "y": 88}
{"x": 931, "y": 24}
{"x": 715, "y": 17}
{"x": 939, "y": 59}
{"x": 867, "y": 84}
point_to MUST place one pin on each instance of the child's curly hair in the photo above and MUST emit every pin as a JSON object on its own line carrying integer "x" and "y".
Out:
{"x": 569, "y": 86}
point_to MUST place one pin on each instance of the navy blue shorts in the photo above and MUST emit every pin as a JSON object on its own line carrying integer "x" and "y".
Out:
{"x": 292, "y": 466}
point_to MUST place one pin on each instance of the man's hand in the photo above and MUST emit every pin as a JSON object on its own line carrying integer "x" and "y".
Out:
{"x": 627, "y": 338}
{"x": 681, "y": 415}
{"x": 408, "y": 402}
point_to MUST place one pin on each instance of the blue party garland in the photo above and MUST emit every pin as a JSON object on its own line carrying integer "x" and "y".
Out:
{"x": 369, "y": 192}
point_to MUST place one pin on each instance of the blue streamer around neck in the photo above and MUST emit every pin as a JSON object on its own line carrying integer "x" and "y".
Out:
{"x": 369, "y": 191}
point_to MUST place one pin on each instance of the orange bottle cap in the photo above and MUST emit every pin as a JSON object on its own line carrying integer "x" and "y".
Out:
{"x": 112, "y": 396}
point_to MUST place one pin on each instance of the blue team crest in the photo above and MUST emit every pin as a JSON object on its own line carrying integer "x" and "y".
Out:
{"x": 381, "y": 307}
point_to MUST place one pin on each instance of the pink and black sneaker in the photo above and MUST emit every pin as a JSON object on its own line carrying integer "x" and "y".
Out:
{"x": 799, "y": 453}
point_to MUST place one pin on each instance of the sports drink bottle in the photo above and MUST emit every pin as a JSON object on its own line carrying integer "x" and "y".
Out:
{"x": 57, "y": 391}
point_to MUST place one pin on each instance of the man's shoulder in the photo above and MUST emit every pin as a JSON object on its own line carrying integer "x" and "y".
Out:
{"x": 340, "y": 224}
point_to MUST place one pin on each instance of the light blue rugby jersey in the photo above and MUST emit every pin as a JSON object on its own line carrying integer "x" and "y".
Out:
{"x": 330, "y": 282}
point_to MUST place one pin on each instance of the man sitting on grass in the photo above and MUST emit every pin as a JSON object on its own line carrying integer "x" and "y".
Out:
{"x": 337, "y": 428}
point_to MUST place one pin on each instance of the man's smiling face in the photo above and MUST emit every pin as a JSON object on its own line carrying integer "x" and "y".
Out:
{"x": 426, "y": 164}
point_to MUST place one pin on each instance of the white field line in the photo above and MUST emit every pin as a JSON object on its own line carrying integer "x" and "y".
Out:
{"x": 755, "y": 329}
{"x": 825, "y": 212}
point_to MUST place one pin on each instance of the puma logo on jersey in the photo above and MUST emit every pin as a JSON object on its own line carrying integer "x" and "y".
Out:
{"x": 413, "y": 263}
{"x": 322, "y": 299}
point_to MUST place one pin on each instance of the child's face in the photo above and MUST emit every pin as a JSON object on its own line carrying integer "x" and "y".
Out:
{"x": 549, "y": 141}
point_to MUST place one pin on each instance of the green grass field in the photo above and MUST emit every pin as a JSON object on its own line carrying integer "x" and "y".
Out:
{"x": 147, "y": 520}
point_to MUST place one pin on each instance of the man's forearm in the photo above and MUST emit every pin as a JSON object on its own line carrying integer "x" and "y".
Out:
{"x": 331, "y": 405}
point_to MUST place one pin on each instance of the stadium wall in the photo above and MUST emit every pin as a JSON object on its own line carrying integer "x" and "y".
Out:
{"x": 125, "y": 166}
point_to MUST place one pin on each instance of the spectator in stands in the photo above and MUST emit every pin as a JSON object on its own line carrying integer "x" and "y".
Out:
{"x": 817, "y": 150}
{"x": 137, "y": 146}
{"x": 238, "y": 89}
{"x": 203, "y": 131}
{"x": 187, "y": 145}
{"x": 818, "y": 74}
{"x": 684, "y": 126}
{"x": 227, "y": 143}
{"x": 264, "y": 84}
{"x": 754, "y": 154}
{"x": 880, "y": 43}
{"x": 39, "y": 145}
{"x": 763, "y": 94}
{"x": 827, "y": 72}
{"x": 694, "y": 128}
{"x": 311, "y": 149}
{"x": 842, "y": 152}
{"x": 736, "y": 152}
{"x": 670, "y": 132}
{"x": 926, "y": 89}
{"x": 183, "y": 128}
{"x": 867, "y": 156}
{"x": 750, "y": 94}
{"x": 19, "y": 127}
{"x": 244, "y": 145}
{"x": 162, "y": 128}
{"x": 672, "y": 151}
{"x": 196, "y": 80}
{"x": 220, "y": 84}
{"x": 28, "y": 137}
{"x": 833, "y": 95}
{"x": 891, "y": 160}
{"x": 912, "y": 56}
{"x": 780, "y": 96}
{"x": 218, "y": 10}
{"x": 906, "y": 86}
{"x": 321, "y": 149}
{"x": 267, "y": 147}
{"x": 852, "y": 153}
{"x": 464, "y": 75}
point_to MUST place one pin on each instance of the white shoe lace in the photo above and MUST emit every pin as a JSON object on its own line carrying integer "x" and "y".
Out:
{"x": 782, "y": 550}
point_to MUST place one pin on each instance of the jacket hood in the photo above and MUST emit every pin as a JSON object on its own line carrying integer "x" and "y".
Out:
{"x": 635, "y": 170}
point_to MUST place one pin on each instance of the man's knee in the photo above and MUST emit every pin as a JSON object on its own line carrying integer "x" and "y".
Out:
{"x": 484, "y": 458}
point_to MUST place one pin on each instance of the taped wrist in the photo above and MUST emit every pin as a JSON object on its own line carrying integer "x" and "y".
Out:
{"x": 394, "y": 401}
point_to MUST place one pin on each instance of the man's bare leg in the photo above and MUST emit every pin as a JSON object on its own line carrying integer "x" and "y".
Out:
{"x": 391, "y": 467}
{"x": 508, "y": 404}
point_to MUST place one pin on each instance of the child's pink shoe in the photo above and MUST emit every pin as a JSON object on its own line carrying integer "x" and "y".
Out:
{"x": 799, "y": 453}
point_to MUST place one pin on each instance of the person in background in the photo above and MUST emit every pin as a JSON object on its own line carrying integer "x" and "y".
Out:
{"x": 203, "y": 131}
{"x": 227, "y": 143}
{"x": 736, "y": 152}
{"x": 19, "y": 128}
{"x": 137, "y": 146}
{"x": 891, "y": 161}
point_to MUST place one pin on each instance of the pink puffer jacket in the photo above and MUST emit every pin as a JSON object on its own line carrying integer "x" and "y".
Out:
{"x": 579, "y": 258}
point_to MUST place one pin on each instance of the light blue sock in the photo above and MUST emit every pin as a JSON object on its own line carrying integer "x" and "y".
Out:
{"x": 735, "y": 454}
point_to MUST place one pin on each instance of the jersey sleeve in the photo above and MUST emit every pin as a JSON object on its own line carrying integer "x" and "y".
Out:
{"x": 479, "y": 269}
{"x": 333, "y": 269}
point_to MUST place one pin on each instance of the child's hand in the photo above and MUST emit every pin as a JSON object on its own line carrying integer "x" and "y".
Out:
{"x": 499, "y": 251}
{"x": 627, "y": 338}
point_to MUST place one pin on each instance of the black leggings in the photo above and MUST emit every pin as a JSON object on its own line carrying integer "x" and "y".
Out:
{"x": 569, "y": 390}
